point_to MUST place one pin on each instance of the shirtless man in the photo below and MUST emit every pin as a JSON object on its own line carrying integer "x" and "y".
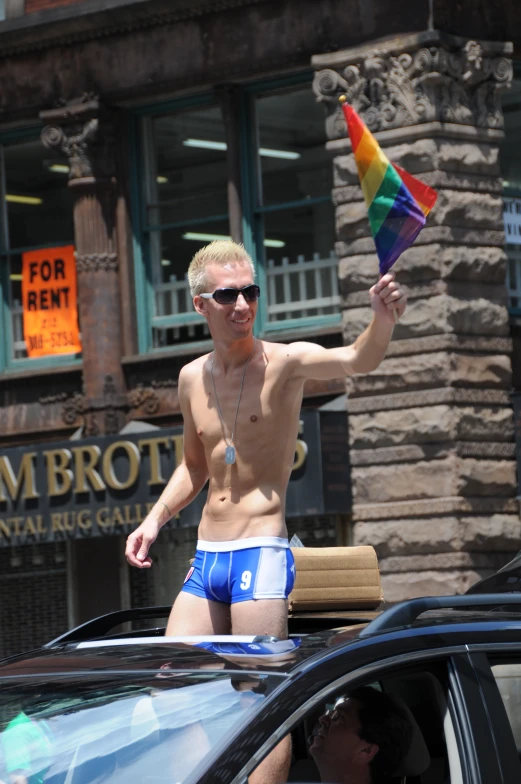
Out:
{"x": 241, "y": 406}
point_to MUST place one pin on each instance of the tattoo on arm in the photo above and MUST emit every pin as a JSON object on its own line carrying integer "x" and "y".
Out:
{"x": 167, "y": 509}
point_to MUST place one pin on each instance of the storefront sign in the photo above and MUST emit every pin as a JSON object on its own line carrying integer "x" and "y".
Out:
{"x": 49, "y": 296}
{"x": 106, "y": 486}
{"x": 512, "y": 220}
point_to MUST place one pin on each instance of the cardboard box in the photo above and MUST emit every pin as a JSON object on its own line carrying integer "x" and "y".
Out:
{"x": 336, "y": 578}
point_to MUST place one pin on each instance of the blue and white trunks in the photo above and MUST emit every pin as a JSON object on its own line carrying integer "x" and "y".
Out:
{"x": 261, "y": 567}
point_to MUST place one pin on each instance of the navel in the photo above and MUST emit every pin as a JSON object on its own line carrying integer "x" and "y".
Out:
{"x": 253, "y": 418}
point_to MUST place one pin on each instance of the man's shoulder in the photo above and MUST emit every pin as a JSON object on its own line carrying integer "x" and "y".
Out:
{"x": 280, "y": 350}
{"x": 189, "y": 375}
{"x": 295, "y": 350}
{"x": 193, "y": 369}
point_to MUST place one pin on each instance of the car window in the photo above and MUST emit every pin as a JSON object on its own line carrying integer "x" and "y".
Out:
{"x": 433, "y": 753}
{"x": 150, "y": 729}
{"x": 508, "y": 679}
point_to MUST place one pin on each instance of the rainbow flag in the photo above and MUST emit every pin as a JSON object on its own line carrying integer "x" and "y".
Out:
{"x": 397, "y": 202}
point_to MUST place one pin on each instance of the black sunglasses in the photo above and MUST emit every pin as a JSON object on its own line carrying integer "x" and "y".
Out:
{"x": 250, "y": 293}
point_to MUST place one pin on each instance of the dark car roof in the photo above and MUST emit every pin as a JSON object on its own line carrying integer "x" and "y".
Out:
{"x": 147, "y": 655}
{"x": 463, "y": 618}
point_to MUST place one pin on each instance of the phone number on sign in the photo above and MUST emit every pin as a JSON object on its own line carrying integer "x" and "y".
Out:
{"x": 52, "y": 340}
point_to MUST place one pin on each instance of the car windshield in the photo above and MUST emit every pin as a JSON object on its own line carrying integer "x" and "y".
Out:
{"x": 152, "y": 729}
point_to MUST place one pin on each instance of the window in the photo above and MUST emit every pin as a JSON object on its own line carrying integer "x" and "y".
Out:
{"x": 413, "y": 704}
{"x": 120, "y": 729}
{"x": 185, "y": 207}
{"x": 508, "y": 679}
{"x": 511, "y": 173}
{"x": 288, "y": 220}
{"x": 292, "y": 214}
{"x": 503, "y": 705}
{"x": 37, "y": 213}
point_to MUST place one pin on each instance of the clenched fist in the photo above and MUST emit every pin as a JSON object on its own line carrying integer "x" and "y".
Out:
{"x": 387, "y": 298}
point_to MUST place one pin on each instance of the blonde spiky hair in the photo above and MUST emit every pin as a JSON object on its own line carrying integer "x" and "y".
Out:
{"x": 219, "y": 252}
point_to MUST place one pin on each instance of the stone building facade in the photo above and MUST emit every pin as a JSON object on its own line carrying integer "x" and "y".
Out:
{"x": 168, "y": 123}
{"x": 431, "y": 430}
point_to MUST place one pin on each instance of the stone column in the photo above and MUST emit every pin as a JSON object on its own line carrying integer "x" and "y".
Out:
{"x": 84, "y": 132}
{"x": 431, "y": 431}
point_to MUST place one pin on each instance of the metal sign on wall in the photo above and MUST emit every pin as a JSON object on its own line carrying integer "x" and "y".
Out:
{"x": 106, "y": 486}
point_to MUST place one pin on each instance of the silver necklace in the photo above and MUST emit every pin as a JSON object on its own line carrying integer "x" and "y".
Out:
{"x": 229, "y": 454}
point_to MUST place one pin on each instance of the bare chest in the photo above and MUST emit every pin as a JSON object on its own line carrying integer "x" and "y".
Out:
{"x": 255, "y": 413}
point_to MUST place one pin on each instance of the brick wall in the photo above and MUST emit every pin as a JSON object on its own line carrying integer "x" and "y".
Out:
{"x": 42, "y": 5}
{"x": 33, "y": 596}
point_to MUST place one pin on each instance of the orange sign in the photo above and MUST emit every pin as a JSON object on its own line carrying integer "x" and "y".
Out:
{"x": 50, "y": 301}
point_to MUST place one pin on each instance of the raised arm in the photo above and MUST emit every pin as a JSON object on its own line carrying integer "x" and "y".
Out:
{"x": 368, "y": 350}
{"x": 185, "y": 483}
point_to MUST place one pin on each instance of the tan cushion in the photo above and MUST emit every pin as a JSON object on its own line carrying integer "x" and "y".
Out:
{"x": 335, "y": 578}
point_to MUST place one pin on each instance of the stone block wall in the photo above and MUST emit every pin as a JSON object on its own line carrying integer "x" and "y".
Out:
{"x": 431, "y": 430}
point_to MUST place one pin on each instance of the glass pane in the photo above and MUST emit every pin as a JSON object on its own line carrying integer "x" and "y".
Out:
{"x": 39, "y": 214}
{"x": 171, "y": 252}
{"x": 508, "y": 679}
{"x": 513, "y": 278}
{"x": 39, "y": 203}
{"x": 510, "y": 152}
{"x": 153, "y": 729}
{"x": 293, "y": 159}
{"x": 302, "y": 272}
{"x": 186, "y": 164}
{"x": 188, "y": 173}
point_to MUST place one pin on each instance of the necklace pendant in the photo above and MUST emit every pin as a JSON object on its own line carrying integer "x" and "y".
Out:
{"x": 229, "y": 455}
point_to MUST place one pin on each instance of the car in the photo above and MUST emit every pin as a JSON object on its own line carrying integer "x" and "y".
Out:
{"x": 104, "y": 703}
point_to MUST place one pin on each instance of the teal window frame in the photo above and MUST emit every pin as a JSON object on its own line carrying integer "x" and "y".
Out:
{"x": 7, "y": 361}
{"x": 252, "y": 222}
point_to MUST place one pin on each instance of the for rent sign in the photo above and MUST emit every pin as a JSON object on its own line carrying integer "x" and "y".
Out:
{"x": 106, "y": 486}
{"x": 49, "y": 296}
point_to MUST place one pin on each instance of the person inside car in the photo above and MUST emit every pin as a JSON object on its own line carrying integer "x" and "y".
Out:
{"x": 363, "y": 740}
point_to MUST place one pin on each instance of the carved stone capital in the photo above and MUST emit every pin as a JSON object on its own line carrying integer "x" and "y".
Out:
{"x": 81, "y": 131}
{"x": 437, "y": 80}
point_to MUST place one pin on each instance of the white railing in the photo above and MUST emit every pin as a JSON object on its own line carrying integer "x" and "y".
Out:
{"x": 303, "y": 288}
{"x": 18, "y": 330}
{"x": 513, "y": 280}
{"x": 173, "y": 299}
{"x": 298, "y": 289}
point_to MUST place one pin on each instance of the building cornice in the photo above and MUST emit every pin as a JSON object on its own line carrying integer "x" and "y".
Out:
{"x": 71, "y": 25}
{"x": 395, "y": 45}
